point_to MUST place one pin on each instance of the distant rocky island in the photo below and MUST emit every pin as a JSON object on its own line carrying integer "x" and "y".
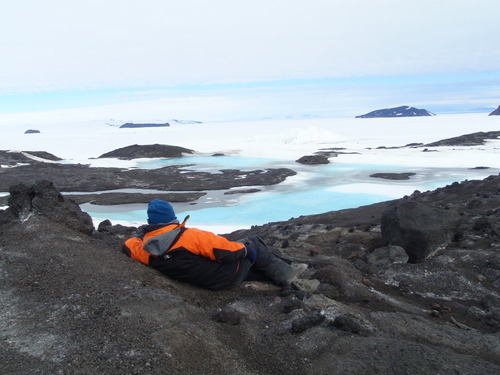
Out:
{"x": 147, "y": 125}
{"x": 496, "y": 112}
{"x": 403, "y": 111}
{"x": 156, "y": 124}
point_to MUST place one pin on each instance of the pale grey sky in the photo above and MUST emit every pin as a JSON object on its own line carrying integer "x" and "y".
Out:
{"x": 72, "y": 44}
{"x": 356, "y": 53}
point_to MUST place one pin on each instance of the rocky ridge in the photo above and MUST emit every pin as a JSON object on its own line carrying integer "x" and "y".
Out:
{"x": 147, "y": 151}
{"x": 71, "y": 302}
{"x": 402, "y": 111}
{"x": 496, "y": 112}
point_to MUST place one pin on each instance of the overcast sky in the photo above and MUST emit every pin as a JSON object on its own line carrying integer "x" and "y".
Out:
{"x": 164, "y": 48}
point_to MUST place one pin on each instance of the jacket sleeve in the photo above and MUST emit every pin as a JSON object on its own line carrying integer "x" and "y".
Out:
{"x": 133, "y": 247}
{"x": 211, "y": 245}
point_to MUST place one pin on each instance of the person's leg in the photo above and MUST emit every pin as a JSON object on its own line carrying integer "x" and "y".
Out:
{"x": 243, "y": 271}
{"x": 280, "y": 272}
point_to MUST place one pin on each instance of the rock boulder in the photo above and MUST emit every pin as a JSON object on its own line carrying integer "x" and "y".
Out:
{"x": 313, "y": 159}
{"x": 44, "y": 200}
{"x": 419, "y": 229}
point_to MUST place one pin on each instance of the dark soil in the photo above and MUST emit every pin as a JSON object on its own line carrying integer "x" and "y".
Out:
{"x": 72, "y": 303}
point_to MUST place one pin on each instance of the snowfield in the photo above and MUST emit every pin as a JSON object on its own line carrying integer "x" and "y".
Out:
{"x": 276, "y": 143}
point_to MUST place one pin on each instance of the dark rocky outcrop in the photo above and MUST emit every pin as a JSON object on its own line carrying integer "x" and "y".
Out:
{"x": 15, "y": 157}
{"x": 147, "y": 151}
{"x": 393, "y": 176}
{"x": 403, "y": 111}
{"x": 71, "y": 302}
{"x": 334, "y": 152}
{"x": 419, "y": 229}
{"x": 32, "y": 131}
{"x": 83, "y": 178}
{"x": 472, "y": 139}
{"x": 313, "y": 159}
{"x": 127, "y": 198}
{"x": 77, "y": 177}
{"x": 241, "y": 191}
{"x": 133, "y": 125}
{"x": 43, "y": 155}
{"x": 44, "y": 200}
{"x": 496, "y": 112}
{"x": 387, "y": 255}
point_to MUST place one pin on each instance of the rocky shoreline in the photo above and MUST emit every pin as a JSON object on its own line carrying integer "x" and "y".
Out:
{"x": 408, "y": 286}
{"x": 27, "y": 167}
{"x": 72, "y": 303}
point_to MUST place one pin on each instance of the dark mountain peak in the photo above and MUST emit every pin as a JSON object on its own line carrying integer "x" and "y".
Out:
{"x": 402, "y": 111}
{"x": 496, "y": 112}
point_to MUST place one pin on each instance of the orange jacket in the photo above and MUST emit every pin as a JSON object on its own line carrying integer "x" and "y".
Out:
{"x": 199, "y": 242}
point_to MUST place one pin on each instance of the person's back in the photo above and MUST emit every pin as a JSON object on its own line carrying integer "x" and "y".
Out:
{"x": 200, "y": 257}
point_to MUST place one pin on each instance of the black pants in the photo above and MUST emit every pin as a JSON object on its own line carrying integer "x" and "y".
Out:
{"x": 267, "y": 266}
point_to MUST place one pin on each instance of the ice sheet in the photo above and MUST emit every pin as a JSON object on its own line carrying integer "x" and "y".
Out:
{"x": 278, "y": 143}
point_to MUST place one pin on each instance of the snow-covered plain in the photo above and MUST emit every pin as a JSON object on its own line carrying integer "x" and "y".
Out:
{"x": 343, "y": 183}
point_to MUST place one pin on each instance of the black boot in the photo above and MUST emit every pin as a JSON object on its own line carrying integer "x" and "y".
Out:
{"x": 280, "y": 272}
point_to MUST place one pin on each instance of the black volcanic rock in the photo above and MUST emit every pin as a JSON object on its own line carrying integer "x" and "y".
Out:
{"x": 43, "y": 155}
{"x": 393, "y": 176}
{"x": 403, "y": 111}
{"x": 109, "y": 199}
{"x": 78, "y": 177}
{"x": 496, "y": 112}
{"x": 419, "y": 229}
{"x": 472, "y": 139}
{"x": 14, "y": 157}
{"x": 59, "y": 287}
{"x": 132, "y": 125}
{"x": 313, "y": 159}
{"x": 43, "y": 199}
{"x": 147, "y": 151}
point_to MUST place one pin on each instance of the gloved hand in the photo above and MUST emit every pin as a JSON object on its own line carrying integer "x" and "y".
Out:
{"x": 251, "y": 253}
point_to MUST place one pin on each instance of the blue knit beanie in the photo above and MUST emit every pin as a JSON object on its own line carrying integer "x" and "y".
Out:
{"x": 160, "y": 212}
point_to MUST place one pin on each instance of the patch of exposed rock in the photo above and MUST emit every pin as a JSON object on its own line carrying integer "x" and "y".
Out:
{"x": 127, "y": 198}
{"x": 335, "y": 151}
{"x": 453, "y": 232}
{"x": 147, "y": 151}
{"x": 43, "y": 200}
{"x": 472, "y": 139}
{"x": 496, "y": 112}
{"x": 241, "y": 191}
{"x": 393, "y": 176}
{"x": 313, "y": 159}
{"x": 71, "y": 301}
{"x": 78, "y": 177}
{"x": 419, "y": 229}
{"x": 18, "y": 157}
{"x": 135, "y": 125}
{"x": 403, "y": 111}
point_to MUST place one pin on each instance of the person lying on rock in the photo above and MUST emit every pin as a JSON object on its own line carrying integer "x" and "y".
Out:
{"x": 203, "y": 258}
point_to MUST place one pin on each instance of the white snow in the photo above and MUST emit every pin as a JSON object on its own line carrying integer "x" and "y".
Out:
{"x": 83, "y": 140}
